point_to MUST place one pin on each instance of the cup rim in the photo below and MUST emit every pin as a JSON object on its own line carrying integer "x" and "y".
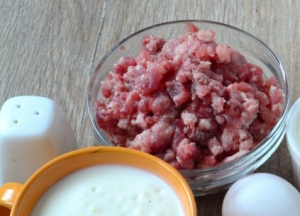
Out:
{"x": 219, "y": 167}
{"x": 117, "y": 150}
{"x": 292, "y": 141}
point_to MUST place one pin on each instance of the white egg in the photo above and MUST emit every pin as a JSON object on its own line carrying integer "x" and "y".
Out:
{"x": 261, "y": 194}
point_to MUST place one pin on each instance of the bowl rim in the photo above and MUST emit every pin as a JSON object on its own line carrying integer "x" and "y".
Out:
{"x": 244, "y": 158}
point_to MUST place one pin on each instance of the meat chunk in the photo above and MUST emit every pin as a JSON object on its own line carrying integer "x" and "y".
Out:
{"x": 189, "y": 101}
{"x": 157, "y": 138}
{"x": 187, "y": 154}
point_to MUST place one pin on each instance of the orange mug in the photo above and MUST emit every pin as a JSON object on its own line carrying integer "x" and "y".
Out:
{"x": 19, "y": 200}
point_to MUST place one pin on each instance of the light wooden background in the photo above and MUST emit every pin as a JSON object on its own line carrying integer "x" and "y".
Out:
{"x": 50, "y": 48}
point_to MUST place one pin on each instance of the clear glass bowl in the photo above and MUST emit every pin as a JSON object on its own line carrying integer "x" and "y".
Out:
{"x": 210, "y": 180}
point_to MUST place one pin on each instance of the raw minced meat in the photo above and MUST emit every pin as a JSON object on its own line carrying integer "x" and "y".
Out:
{"x": 190, "y": 101}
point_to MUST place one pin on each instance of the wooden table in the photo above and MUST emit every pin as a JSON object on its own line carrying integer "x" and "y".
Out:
{"x": 50, "y": 48}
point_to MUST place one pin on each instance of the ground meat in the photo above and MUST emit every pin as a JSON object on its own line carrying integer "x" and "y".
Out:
{"x": 189, "y": 101}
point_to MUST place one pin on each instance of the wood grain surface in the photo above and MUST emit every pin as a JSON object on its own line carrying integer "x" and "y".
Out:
{"x": 50, "y": 48}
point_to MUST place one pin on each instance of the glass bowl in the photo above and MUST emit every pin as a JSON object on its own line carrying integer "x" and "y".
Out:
{"x": 208, "y": 180}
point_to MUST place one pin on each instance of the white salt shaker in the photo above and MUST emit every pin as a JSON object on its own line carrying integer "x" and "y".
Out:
{"x": 33, "y": 130}
{"x": 293, "y": 140}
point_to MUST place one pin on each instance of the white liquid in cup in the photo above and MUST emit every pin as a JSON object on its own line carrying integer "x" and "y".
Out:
{"x": 109, "y": 190}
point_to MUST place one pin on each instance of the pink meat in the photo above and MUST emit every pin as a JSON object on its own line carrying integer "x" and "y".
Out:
{"x": 179, "y": 93}
{"x": 189, "y": 101}
{"x": 187, "y": 154}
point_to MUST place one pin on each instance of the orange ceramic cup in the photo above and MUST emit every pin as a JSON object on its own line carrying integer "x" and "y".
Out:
{"x": 19, "y": 200}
